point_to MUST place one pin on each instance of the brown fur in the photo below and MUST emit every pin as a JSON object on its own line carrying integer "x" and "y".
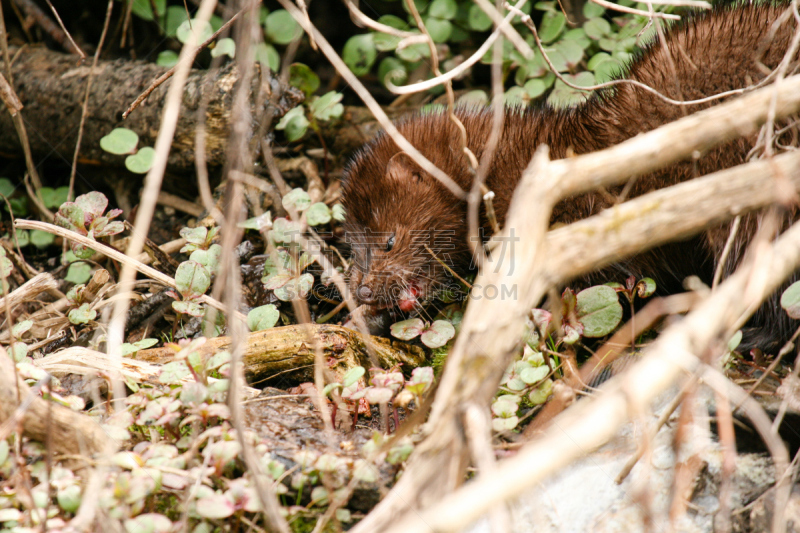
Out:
{"x": 385, "y": 193}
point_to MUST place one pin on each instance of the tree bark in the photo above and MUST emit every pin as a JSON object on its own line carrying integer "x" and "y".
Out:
{"x": 52, "y": 87}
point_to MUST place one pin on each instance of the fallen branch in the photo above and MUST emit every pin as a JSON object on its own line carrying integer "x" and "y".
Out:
{"x": 53, "y": 89}
{"x": 285, "y": 352}
{"x": 71, "y": 433}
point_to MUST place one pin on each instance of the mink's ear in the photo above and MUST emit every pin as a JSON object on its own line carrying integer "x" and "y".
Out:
{"x": 403, "y": 169}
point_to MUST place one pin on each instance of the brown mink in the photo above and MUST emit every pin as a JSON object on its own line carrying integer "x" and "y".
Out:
{"x": 396, "y": 212}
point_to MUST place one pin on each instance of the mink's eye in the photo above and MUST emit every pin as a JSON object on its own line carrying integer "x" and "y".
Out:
{"x": 390, "y": 243}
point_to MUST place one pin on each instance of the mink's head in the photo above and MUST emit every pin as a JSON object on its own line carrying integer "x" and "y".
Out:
{"x": 400, "y": 219}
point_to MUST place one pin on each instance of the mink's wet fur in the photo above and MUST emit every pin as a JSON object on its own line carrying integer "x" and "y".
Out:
{"x": 387, "y": 195}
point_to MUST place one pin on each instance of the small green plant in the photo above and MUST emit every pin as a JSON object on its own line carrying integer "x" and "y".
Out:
{"x": 296, "y": 122}
{"x": 122, "y": 141}
{"x": 432, "y": 335}
{"x": 81, "y": 312}
{"x": 192, "y": 280}
{"x": 283, "y": 274}
{"x": 19, "y": 205}
{"x": 263, "y": 317}
{"x": 86, "y": 216}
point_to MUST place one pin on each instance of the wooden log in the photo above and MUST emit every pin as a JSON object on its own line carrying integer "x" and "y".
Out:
{"x": 52, "y": 87}
{"x": 286, "y": 353}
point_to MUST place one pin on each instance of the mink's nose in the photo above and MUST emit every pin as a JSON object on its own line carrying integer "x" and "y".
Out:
{"x": 365, "y": 294}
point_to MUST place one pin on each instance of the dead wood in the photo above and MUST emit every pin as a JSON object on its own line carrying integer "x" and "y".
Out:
{"x": 28, "y": 291}
{"x": 71, "y": 433}
{"x": 491, "y": 332}
{"x": 286, "y": 354}
{"x": 52, "y": 87}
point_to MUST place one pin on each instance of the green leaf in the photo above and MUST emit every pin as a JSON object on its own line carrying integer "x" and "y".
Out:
{"x": 339, "y": 213}
{"x": 92, "y": 203}
{"x": 592, "y": 10}
{"x": 597, "y": 28}
{"x": 294, "y": 124}
{"x": 296, "y": 288}
{"x": 735, "y": 340}
{"x": 167, "y": 59}
{"x": 21, "y": 328}
{"x": 267, "y": 55}
{"x": 579, "y": 36}
{"x": 141, "y": 161}
{"x": 534, "y": 374}
{"x": 327, "y": 106}
{"x": 284, "y": 230}
{"x": 599, "y": 310}
{"x": 400, "y": 452}
{"x": 570, "y": 51}
{"x": 535, "y": 88}
{"x": 78, "y": 272}
{"x": 218, "y": 359}
{"x": 438, "y": 334}
{"x": 439, "y": 29}
{"x": 540, "y": 394}
{"x": 392, "y": 70}
{"x": 120, "y": 141}
{"x": 385, "y": 42}
{"x": 263, "y": 317}
{"x": 504, "y": 424}
{"x": 607, "y": 70}
{"x": 553, "y": 23}
{"x": 353, "y": 375}
{"x": 23, "y": 237}
{"x": 297, "y": 199}
{"x": 259, "y": 223}
{"x": 414, "y": 52}
{"x": 128, "y": 348}
{"x": 515, "y": 96}
{"x": 302, "y": 77}
{"x": 443, "y": 9}
{"x": 203, "y": 31}
{"x": 143, "y": 9}
{"x": 192, "y": 279}
{"x": 6, "y": 187}
{"x": 176, "y": 15}
{"x": 359, "y": 53}
{"x": 596, "y": 59}
{"x": 281, "y": 28}
{"x": 208, "y": 258}
{"x": 53, "y": 198}
{"x": 318, "y": 214}
{"x": 41, "y": 239}
{"x": 18, "y": 351}
{"x": 646, "y": 287}
{"x": 173, "y": 372}
{"x": 82, "y": 315}
{"x": 407, "y": 329}
{"x": 477, "y": 20}
{"x": 790, "y": 300}
{"x": 421, "y": 5}
{"x": 224, "y": 47}
{"x": 148, "y": 523}
{"x": 189, "y": 308}
{"x": 69, "y": 498}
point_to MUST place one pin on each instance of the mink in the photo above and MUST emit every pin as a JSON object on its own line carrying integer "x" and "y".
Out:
{"x": 398, "y": 215}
